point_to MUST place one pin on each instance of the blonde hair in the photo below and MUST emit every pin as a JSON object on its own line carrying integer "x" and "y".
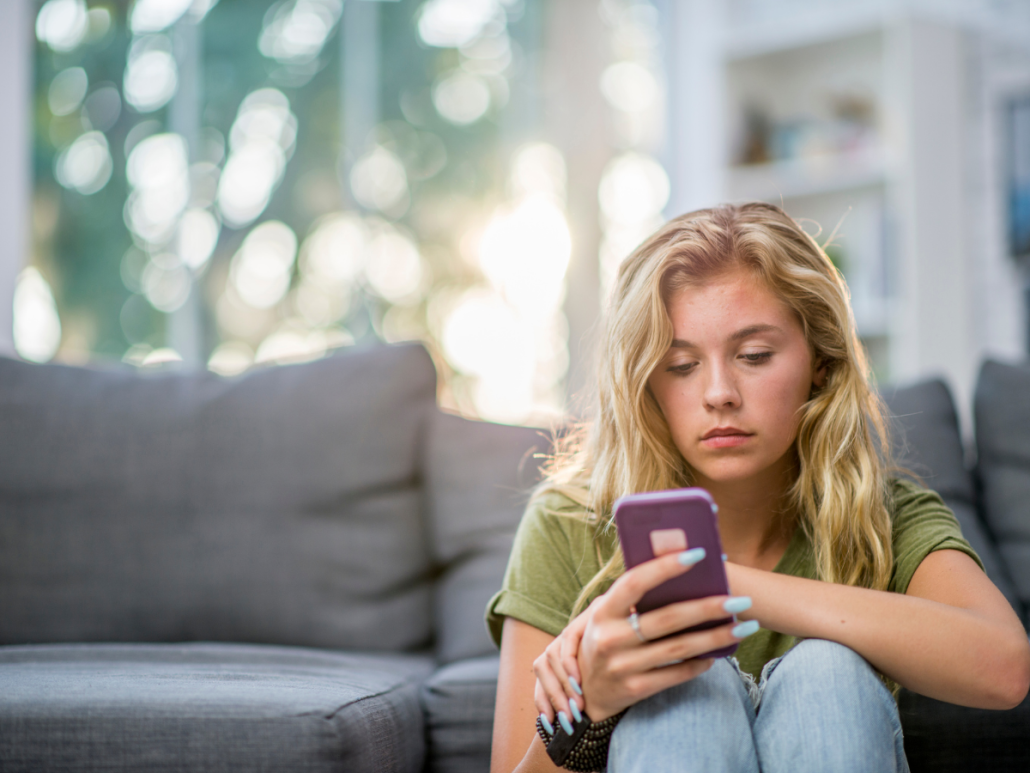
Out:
{"x": 842, "y": 448}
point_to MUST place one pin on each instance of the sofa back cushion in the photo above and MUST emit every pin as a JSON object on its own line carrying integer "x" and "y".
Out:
{"x": 478, "y": 480}
{"x": 927, "y": 442}
{"x": 282, "y": 506}
{"x": 1002, "y": 410}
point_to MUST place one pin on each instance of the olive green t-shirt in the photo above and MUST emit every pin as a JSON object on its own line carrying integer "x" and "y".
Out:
{"x": 557, "y": 552}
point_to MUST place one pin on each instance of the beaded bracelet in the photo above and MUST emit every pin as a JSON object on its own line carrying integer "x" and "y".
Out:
{"x": 586, "y": 750}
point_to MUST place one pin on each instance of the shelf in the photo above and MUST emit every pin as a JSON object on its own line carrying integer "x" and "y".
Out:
{"x": 789, "y": 33}
{"x": 810, "y": 176}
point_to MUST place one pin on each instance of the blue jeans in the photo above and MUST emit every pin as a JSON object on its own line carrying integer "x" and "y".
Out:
{"x": 819, "y": 708}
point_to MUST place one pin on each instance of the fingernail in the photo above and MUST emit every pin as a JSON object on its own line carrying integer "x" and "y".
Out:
{"x": 738, "y": 604}
{"x": 724, "y": 557}
{"x": 575, "y": 711}
{"x": 563, "y": 720}
{"x": 692, "y": 556}
{"x": 575, "y": 685}
{"x": 745, "y": 629}
{"x": 547, "y": 724}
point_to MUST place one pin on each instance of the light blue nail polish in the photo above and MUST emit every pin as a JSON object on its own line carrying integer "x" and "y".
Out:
{"x": 575, "y": 685}
{"x": 547, "y": 724}
{"x": 745, "y": 629}
{"x": 692, "y": 556}
{"x": 715, "y": 508}
{"x": 737, "y": 604}
{"x": 575, "y": 711}
{"x": 725, "y": 557}
{"x": 563, "y": 720}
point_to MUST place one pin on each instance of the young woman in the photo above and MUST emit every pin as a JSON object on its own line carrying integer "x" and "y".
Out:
{"x": 730, "y": 362}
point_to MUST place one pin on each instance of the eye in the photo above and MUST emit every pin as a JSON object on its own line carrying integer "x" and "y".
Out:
{"x": 681, "y": 369}
{"x": 756, "y": 357}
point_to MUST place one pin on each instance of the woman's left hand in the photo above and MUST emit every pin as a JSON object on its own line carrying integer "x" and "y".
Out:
{"x": 557, "y": 672}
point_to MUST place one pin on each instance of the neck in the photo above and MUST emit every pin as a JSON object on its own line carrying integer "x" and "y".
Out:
{"x": 755, "y": 522}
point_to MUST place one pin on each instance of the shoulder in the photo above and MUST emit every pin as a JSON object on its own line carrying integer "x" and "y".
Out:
{"x": 921, "y": 524}
{"x": 905, "y": 497}
{"x": 556, "y": 514}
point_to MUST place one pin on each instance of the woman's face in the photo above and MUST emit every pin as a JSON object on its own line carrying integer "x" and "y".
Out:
{"x": 732, "y": 382}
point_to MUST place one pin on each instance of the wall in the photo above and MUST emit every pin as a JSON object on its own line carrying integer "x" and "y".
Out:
{"x": 15, "y": 151}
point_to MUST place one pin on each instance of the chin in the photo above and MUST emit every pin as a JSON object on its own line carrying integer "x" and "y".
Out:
{"x": 726, "y": 474}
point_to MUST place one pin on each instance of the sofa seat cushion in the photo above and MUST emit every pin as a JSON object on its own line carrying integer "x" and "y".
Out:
{"x": 458, "y": 701}
{"x": 1002, "y": 413}
{"x": 945, "y": 738}
{"x": 208, "y": 707}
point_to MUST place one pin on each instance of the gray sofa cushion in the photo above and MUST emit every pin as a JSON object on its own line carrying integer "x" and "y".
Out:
{"x": 478, "y": 479}
{"x": 208, "y": 707}
{"x": 944, "y": 738}
{"x": 458, "y": 701}
{"x": 282, "y": 507}
{"x": 927, "y": 442}
{"x": 1002, "y": 410}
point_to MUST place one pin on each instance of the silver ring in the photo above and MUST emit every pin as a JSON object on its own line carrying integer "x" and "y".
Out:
{"x": 634, "y": 623}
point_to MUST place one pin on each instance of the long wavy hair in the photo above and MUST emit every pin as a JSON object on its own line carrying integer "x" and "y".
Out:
{"x": 842, "y": 446}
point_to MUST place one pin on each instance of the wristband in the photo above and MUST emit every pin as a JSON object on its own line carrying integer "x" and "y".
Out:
{"x": 586, "y": 750}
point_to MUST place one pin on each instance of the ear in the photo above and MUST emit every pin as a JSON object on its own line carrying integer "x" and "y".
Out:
{"x": 820, "y": 374}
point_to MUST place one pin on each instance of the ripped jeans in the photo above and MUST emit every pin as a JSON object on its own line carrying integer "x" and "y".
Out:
{"x": 819, "y": 708}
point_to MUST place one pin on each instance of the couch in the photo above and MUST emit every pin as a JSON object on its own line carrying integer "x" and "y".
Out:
{"x": 287, "y": 570}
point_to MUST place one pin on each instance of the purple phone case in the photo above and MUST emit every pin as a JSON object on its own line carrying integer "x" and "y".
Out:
{"x": 690, "y": 509}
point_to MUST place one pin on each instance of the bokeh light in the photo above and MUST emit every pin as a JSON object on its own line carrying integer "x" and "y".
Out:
{"x": 261, "y": 142}
{"x": 461, "y": 98}
{"x": 158, "y": 173}
{"x": 151, "y": 75}
{"x": 67, "y": 90}
{"x": 296, "y": 31}
{"x": 156, "y": 15}
{"x": 37, "y": 327}
{"x": 379, "y": 182}
{"x": 538, "y": 168}
{"x": 196, "y": 237}
{"x": 453, "y": 23}
{"x": 230, "y": 358}
{"x": 291, "y": 343}
{"x": 261, "y": 270}
{"x": 395, "y": 270}
{"x": 62, "y": 24}
{"x": 487, "y": 55}
{"x": 525, "y": 252}
{"x": 634, "y": 188}
{"x": 86, "y": 165}
{"x": 334, "y": 252}
{"x": 509, "y": 339}
{"x": 166, "y": 282}
{"x": 629, "y": 86}
{"x": 163, "y": 357}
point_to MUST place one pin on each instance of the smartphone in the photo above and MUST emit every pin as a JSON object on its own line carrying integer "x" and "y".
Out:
{"x": 659, "y": 522}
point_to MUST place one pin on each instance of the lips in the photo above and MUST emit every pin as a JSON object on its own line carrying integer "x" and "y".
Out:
{"x": 725, "y": 437}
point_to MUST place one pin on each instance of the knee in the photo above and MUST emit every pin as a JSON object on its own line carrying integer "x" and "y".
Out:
{"x": 813, "y": 656}
{"x": 827, "y": 664}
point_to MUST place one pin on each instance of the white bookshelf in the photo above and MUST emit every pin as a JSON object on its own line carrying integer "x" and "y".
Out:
{"x": 808, "y": 128}
{"x": 865, "y": 105}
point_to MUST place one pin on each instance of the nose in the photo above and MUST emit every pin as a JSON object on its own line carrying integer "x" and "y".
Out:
{"x": 720, "y": 388}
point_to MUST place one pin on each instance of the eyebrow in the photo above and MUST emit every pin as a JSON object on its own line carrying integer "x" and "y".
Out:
{"x": 741, "y": 334}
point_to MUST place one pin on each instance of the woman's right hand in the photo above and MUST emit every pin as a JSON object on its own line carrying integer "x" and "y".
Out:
{"x": 614, "y": 668}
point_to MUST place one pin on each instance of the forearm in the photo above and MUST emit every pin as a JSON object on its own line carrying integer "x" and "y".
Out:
{"x": 941, "y": 651}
